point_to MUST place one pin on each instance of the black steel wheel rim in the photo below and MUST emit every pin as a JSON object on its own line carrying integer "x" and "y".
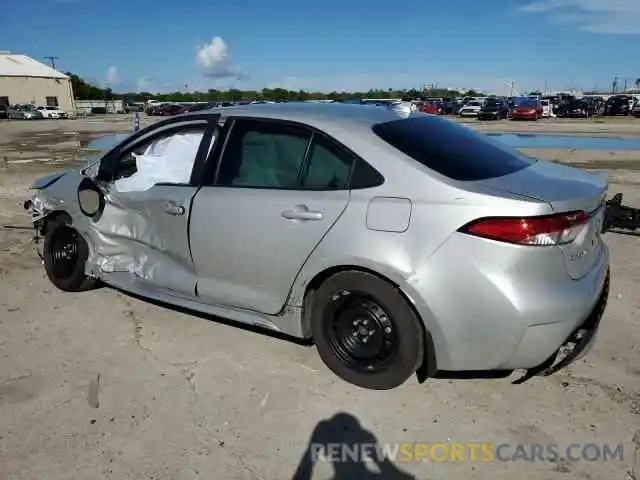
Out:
{"x": 64, "y": 252}
{"x": 360, "y": 332}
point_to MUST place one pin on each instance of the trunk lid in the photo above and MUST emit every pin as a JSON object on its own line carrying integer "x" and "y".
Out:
{"x": 565, "y": 189}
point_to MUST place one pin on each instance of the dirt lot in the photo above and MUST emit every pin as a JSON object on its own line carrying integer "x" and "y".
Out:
{"x": 184, "y": 397}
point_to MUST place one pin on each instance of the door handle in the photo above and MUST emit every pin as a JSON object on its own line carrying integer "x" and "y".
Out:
{"x": 302, "y": 213}
{"x": 174, "y": 209}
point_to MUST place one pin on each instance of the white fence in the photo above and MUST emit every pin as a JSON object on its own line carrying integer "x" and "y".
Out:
{"x": 83, "y": 107}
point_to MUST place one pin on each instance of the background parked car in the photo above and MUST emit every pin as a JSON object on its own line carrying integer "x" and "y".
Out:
{"x": 553, "y": 101}
{"x": 168, "y": 109}
{"x": 598, "y": 105}
{"x": 174, "y": 109}
{"x": 24, "y": 112}
{"x": 547, "y": 109}
{"x": 578, "y": 108}
{"x": 3, "y": 111}
{"x": 527, "y": 110}
{"x": 471, "y": 109}
{"x": 50, "y": 112}
{"x": 131, "y": 108}
{"x": 155, "y": 108}
{"x": 430, "y": 107}
{"x": 618, "y": 105}
{"x": 202, "y": 106}
{"x": 494, "y": 109}
{"x": 450, "y": 107}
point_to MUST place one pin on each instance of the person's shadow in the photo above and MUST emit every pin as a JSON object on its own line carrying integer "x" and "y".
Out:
{"x": 344, "y": 430}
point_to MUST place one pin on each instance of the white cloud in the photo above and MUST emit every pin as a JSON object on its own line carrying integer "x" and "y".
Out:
{"x": 113, "y": 76}
{"x": 213, "y": 61}
{"x": 595, "y": 16}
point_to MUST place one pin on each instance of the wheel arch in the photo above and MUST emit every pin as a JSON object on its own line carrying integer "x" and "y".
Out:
{"x": 428, "y": 366}
{"x": 53, "y": 217}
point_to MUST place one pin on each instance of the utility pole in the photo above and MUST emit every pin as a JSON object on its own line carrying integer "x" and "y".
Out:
{"x": 52, "y": 61}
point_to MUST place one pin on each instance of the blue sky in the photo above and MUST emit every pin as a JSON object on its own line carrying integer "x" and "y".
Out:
{"x": 330, "y": 45}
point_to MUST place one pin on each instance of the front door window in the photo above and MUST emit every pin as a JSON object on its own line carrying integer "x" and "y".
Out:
{"x": 167, "y": 158}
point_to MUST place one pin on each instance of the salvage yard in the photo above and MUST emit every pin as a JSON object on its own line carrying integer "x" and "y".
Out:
{"x": 102, "y": 385}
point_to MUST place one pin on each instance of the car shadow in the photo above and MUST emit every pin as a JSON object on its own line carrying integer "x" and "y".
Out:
{"x": 217, "y": 319}
{"x": 343, "y": 430}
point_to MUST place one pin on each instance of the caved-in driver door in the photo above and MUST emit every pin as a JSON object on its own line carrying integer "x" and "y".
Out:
{"x": 143, "y": 229}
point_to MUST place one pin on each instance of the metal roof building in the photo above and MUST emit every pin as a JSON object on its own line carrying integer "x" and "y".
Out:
{"x": 25, "y": 80}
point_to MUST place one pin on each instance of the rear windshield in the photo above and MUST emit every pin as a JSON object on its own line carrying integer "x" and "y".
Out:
{"x": 451, "y": 150}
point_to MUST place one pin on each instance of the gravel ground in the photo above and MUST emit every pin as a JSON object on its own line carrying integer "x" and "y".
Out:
{"x": 101, "y": 385}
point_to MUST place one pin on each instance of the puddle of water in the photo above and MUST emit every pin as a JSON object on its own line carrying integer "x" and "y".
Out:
{"x": 104, "y": 143}
{"x": 534, "y": 140}
{"x": 100, "y": 146}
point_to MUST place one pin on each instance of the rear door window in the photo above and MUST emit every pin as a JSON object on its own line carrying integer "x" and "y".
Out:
{"x": 328, "y": 166}
{"x": 451, "y": 150}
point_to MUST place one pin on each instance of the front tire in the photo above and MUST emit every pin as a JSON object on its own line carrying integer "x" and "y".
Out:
{"x": 65, "y": 254}
{"x": 365, "y": 331}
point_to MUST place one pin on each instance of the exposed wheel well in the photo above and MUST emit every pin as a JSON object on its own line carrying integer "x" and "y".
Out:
{"x": 429, "y": 364}
{"x": 52, "y": 217}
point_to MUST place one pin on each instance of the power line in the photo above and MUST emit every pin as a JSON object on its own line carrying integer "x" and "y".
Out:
{"x": 52, "y": 61}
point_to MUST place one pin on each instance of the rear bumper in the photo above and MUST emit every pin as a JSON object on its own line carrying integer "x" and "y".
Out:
{"x": 524, "y": 116}
{"x": 575, "y": 346}
{"x": 488, "y": 116}
{"x": 578, "y": 344}
{"x": 494, "y": 308}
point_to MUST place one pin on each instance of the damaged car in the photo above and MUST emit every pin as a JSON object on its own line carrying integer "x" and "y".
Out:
{"x": 401, "y": 245}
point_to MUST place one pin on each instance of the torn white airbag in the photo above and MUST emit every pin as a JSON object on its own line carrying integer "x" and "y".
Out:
{"x": 167, "y": 160}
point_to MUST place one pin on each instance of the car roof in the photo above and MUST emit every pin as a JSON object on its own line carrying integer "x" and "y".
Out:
{"x": 321, "y": 115}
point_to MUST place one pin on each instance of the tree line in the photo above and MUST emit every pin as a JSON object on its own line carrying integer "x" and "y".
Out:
{"x": 82, "y": 90}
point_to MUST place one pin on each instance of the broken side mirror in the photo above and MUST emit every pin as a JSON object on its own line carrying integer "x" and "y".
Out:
{"x": 91, "y": 199}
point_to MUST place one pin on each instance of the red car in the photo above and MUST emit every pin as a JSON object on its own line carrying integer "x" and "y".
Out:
{"x": 529, "y": 110}
{"x": 429, "y": 107}
{"x": 175, "y": 109}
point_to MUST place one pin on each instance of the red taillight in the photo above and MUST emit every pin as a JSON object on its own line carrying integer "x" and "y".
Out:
{"x": 543, "y": 230}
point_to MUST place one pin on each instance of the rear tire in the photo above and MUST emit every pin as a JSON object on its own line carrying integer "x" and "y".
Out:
{"x": 365, "y": 331}
{"x": 65, "y": 254}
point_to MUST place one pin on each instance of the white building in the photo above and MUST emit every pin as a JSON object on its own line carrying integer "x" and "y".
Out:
{"x": 24, "y": 80}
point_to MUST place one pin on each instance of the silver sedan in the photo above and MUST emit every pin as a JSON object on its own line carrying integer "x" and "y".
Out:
{"x": 399, "y": 244}
{"x": 24, "y": 112}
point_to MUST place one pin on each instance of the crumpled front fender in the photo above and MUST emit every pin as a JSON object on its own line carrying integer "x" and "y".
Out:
{"x": 57, "y": 192}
